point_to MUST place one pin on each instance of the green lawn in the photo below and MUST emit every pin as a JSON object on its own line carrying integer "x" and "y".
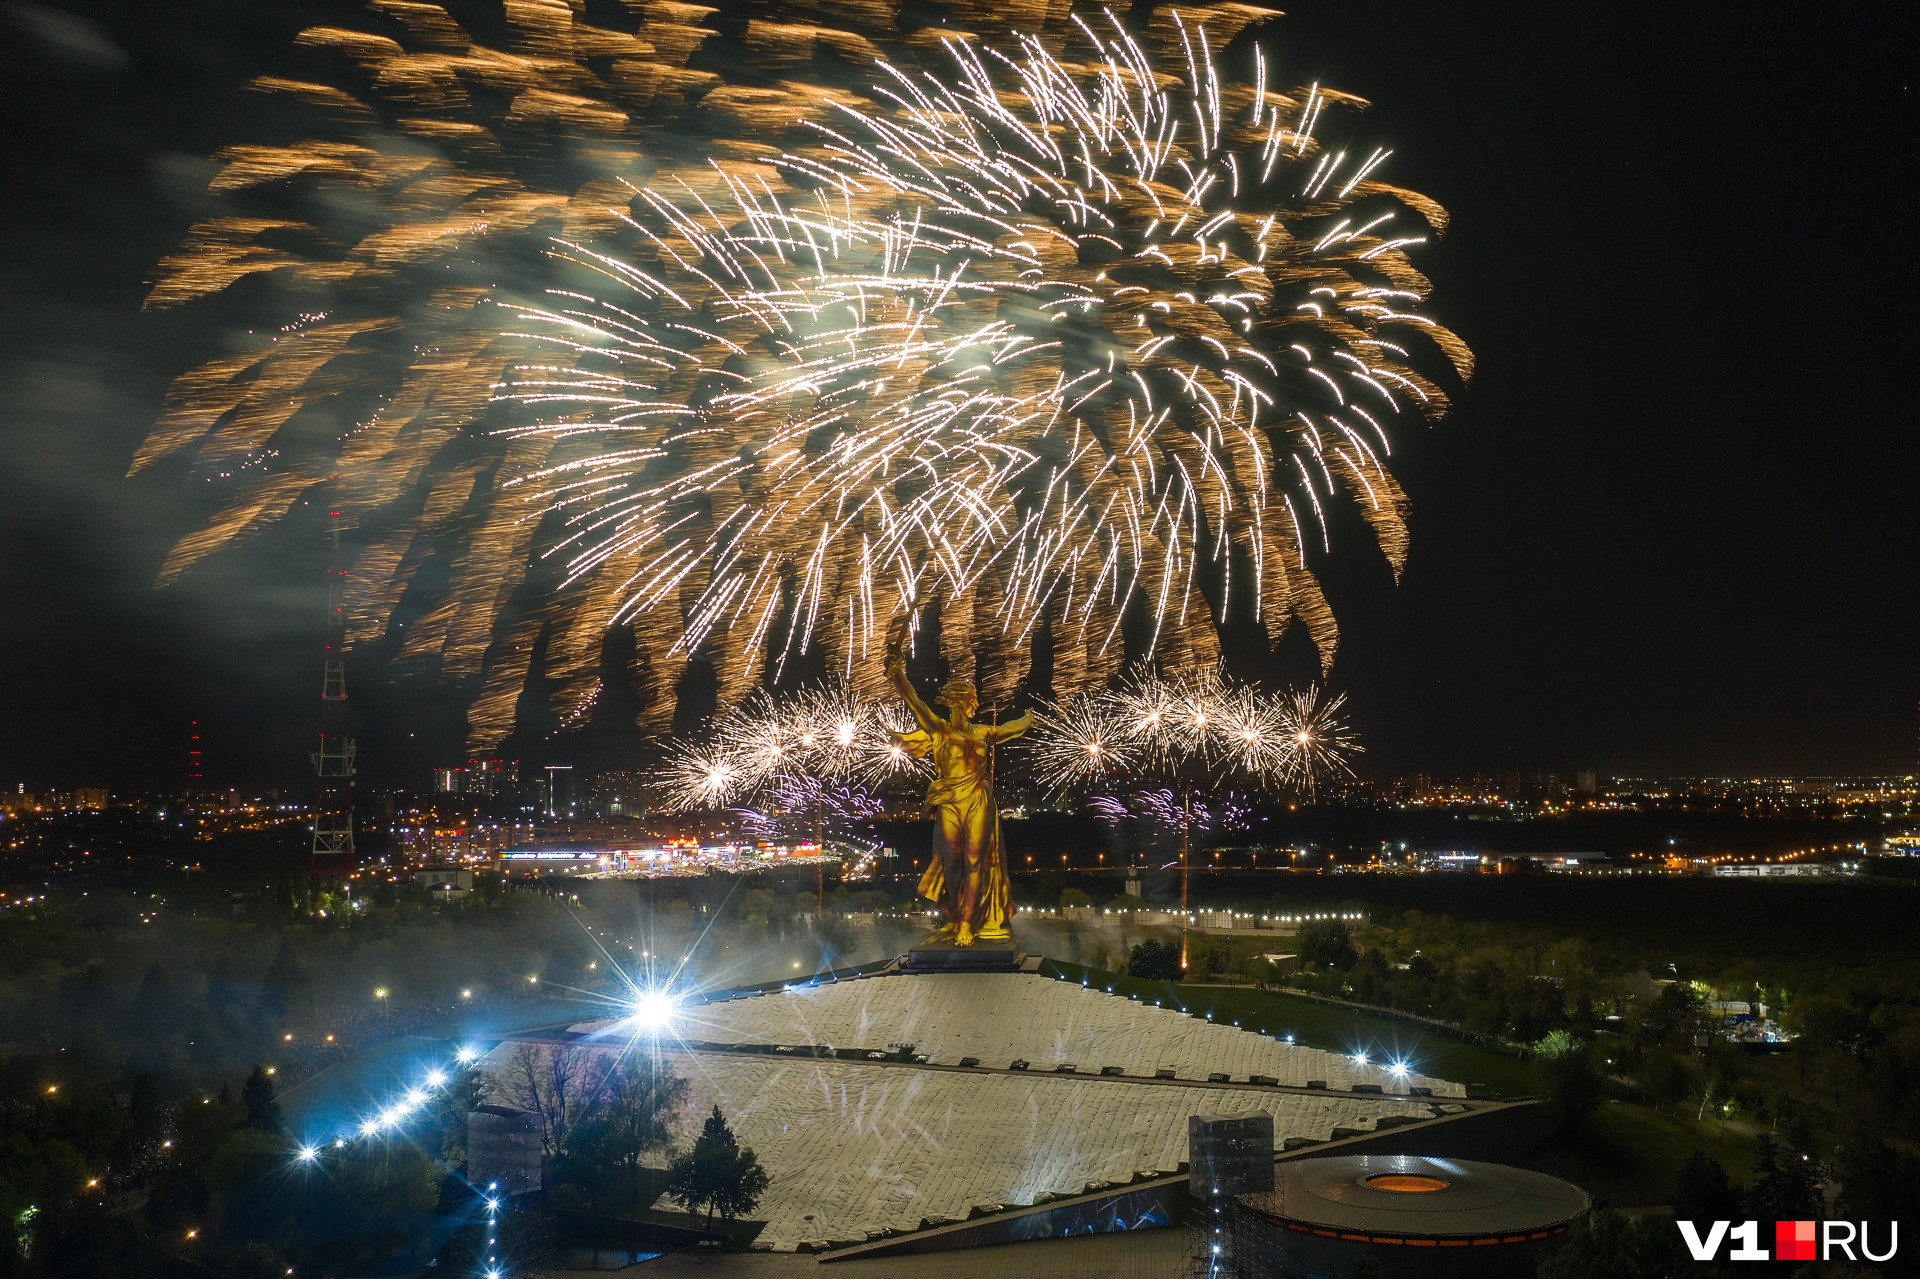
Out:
{"x": 1344, "y": 1030}
{"x": 1628, "y": 1154}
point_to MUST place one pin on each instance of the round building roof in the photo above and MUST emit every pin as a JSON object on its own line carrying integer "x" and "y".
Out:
{"x": 1403, "y": 1198}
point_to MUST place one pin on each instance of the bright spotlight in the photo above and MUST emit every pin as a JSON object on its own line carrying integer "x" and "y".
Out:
{"x": 1397, "y": 1069}
{"x": 435, "y": 1079}
{"x": 308, "y": 1154}
{"x": 1359, "y": 1059}
{"x": 652, "y": 1010}
{"x": 369, "y": 1128}
{"x": 466, "y": 1054}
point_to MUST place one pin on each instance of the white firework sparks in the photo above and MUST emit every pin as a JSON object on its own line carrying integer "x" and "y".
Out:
{"x": 1080, "y": 740}
{"x": 813, "y": 746}
{"x": 1200, "y": 722}
{"x": 1032, "y": 339}
{"x": 1320, "y": 745}
{"x": 1035, "y": 331}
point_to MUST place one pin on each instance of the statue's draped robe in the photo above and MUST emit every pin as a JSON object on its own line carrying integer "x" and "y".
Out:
{"x": 967, "y": 875}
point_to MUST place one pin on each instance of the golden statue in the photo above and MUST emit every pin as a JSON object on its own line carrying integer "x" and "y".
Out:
{"x": 967, "y": 876}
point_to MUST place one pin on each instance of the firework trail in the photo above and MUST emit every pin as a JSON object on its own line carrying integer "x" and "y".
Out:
{"x": 1029, "y": 330}
{"x": 1037, "y": 341}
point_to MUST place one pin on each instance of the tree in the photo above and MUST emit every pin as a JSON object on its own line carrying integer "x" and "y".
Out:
{"x": 1667, "y": 1017}
{"x": 1154, "y": 961}
{"x": 1572, "y": 1077}
{"x": 466, "y": 1091}
{"x": 37, "y": 1183}
{"x": 1606, "y": 1245}
{"x": 1703, "y": 1192}
{"x": 718, "y": 1174}
{"x": 1782, "y": 1189}
{"x": 544, "y": 1081}
{"x": 1325, "y": 943}
{"x": 629, "y": 1110}
{"x": 285, "y": 976}
{"x": 367, "y": 1198}
{"x": 1072, "y": 897}
{"x": 263, "y": 1112}
{"x": 1877, "y": 1182}
{"x": 250, "y": 1193}
{"x": 156, "y": 1009}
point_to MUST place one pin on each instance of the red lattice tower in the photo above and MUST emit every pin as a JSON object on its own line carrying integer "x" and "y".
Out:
{"x": 333, "y": 851}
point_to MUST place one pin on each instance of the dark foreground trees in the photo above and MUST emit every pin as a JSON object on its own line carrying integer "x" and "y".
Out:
{"x": 718, "y": 1174}
{"x": 1154, "y": 961}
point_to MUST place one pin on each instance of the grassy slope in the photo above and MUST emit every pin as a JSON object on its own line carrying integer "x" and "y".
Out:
{"x": 1328, "y": 1026}
{"x": 1628, "y": 1154}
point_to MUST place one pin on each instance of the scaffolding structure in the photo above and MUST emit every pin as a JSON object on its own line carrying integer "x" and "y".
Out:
{"x": 333, "y": 850}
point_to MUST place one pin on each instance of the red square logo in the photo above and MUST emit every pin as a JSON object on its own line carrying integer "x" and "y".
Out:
{"x": 1793, "y": 1241}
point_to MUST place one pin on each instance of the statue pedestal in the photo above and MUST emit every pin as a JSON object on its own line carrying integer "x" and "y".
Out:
{"x": 938, "y": 955}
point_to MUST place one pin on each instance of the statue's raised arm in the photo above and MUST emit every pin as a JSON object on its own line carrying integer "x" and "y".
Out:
{"x": 896, "y": 669}
{"x": 922, "y": 713}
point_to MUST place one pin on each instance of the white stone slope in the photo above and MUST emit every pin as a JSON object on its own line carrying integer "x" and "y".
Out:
{"x": 998, "y": 1017}
{"x": 863, "y": 1148}
{"x": 855, "y": 1148}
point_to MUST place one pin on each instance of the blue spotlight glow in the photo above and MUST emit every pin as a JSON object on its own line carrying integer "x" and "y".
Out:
{"x": 1398, "y": 1069}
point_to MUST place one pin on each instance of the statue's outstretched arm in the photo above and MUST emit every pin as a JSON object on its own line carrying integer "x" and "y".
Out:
{"x": 1011, "y": 729}
{"x": 922, "y": 713}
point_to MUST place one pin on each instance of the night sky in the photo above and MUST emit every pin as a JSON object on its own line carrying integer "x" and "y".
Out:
{"x": 1668, "y": 530}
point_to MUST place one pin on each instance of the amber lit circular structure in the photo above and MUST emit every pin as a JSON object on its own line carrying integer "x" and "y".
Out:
{"x": 1411, "y": 1215}
{"x": 1405, "y": 1183}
